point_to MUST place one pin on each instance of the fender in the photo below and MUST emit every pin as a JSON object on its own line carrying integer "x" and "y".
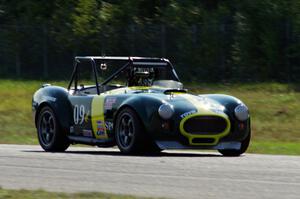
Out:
{"x": 57, "y": 98}
{"x": 229, "y": 102}
{"x": 144, "y": 106}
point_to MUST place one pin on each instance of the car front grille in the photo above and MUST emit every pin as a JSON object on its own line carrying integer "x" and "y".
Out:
{"x": 205, "y": 125}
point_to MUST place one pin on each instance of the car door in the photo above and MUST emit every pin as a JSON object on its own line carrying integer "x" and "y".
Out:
{"x": 87, "y": 104}
{"x": 81, "y": 97}
{"x": 81, "y": 106}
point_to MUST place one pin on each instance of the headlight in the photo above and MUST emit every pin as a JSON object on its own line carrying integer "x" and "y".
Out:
{"x": 166, "y": 111}
{"x": 241, "y": 112}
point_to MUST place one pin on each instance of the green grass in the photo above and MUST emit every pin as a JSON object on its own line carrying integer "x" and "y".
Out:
{"x": 274, "y": 110}
{"x": 39, "y": 194}
{"x": 15, "y": 111}
{"x": 269, "y": 147}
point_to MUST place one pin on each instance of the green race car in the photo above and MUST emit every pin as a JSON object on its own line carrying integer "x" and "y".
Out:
{"x": 140, "y": 106}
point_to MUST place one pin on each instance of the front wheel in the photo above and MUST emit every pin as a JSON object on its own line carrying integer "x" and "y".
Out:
{"x": 50, "y": 134}
{"x": 233, "y": 152}
{"x": 128, "y": 132}
{"x": 131, "y": 136}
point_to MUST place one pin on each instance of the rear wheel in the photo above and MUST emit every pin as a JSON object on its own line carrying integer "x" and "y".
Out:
{"x": 243, "y": 149}
{"x": 50, "y": 134}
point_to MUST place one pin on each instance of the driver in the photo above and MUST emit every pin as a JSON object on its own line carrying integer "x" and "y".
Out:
{"x": 141, "y": 77}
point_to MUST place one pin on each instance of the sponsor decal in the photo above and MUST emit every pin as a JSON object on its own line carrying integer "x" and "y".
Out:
{"x": 109, "y": 126}
{"x": 109, "y": 101}
{"x": 100, "y": 128}
{"x": 187, "y": 113}
{"x": 87, "y": 133}
{"x": 97, "y": 117}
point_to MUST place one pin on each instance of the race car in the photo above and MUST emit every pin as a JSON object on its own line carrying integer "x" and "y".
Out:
{"x": 140, "y": 105}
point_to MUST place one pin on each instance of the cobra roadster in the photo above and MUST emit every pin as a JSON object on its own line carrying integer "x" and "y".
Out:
{"x": 138, "y": 104}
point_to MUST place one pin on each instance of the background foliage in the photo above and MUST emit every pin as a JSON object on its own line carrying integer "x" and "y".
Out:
{"x": 219, "y": 40}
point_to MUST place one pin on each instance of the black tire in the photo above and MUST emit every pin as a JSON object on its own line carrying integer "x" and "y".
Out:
{"x": 130, "y": 134}
{"x": 51, "y": 136}
{"x": 234, "y": 153}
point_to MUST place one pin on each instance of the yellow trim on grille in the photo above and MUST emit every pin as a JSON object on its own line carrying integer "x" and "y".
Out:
{"x": 216, "y": 137}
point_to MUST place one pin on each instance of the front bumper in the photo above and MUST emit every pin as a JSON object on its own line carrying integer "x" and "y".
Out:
{"x": 177, "y": 145}
{"x": 174, "y": 139}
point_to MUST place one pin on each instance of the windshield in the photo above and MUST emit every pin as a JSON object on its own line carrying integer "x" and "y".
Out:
{"x": 133, "y": 75}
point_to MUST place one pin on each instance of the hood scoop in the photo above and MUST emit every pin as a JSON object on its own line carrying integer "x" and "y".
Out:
{"x": 170, "y": 91}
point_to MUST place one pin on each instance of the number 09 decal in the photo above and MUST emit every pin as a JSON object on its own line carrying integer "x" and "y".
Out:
{"x": 78, "y": 114}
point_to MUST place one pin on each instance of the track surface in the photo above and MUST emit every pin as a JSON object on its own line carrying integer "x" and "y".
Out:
{"x": 172, "y": 175}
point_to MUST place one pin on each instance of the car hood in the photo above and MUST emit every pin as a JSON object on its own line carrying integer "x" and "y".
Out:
{"x": 183, "y": 102}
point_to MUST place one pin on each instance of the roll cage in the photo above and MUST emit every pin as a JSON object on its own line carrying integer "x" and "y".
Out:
{"x": 131, "y": 62}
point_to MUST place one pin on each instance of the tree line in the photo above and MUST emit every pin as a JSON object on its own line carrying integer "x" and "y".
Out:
{"x": 207, "y": 40}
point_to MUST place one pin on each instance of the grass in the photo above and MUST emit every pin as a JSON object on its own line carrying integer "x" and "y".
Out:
{"x": 26, "y": 194}
{"x": 274, "y": 110}
{"x": 275, "y": 148}
{"x": 16, "y": 119}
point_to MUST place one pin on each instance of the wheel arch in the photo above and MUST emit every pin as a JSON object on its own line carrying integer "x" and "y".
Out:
{"x": 229, "y": 102}
{"x": 57, "y": 99}
{"x": 38, "y": 110}
{"x": 144, "y": 107}
{"x": 122, "y": 108}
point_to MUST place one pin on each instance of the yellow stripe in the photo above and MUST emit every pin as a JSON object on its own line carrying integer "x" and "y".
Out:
{"x": 202, "y": 109}
{"x": 97, "y": 111}
{"x": 98, "y": 116}
{"x": 201, "y": 106}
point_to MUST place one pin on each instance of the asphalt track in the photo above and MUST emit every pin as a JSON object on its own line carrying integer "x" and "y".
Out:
{"x": 173, "y": 174}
